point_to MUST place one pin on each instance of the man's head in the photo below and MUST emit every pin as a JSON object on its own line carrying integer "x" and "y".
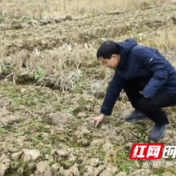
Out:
{"x": 109, "y": 53}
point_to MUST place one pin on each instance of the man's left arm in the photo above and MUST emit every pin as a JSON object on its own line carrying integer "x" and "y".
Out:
{"x": 159, "y": 68}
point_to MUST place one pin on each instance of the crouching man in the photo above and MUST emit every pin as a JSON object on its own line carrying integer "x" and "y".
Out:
{"x": 147, "y": 78}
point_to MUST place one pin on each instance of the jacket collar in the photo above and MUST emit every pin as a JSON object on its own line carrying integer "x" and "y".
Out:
{"x": 125, "y": 48}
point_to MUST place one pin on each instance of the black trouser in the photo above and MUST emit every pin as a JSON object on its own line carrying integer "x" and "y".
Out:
{"x": 152, "y": 108}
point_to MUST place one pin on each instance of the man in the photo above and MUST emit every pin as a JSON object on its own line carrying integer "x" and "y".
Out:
{"x": 148, "y": 79}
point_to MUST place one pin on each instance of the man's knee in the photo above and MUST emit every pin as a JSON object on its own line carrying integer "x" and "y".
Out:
{"x": 146, "y": 105}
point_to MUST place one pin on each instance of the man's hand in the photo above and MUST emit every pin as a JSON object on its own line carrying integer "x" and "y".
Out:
{"x": 98, "y": 119}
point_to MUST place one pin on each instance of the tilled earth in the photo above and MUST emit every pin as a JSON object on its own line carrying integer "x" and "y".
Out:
{"x": 43, "y": 34}
{"x": 45, "y": 124}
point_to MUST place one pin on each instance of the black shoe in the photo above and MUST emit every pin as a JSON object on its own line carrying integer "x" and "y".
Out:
{"x": 135, "y": 116}
{"x": 158, "y": 131}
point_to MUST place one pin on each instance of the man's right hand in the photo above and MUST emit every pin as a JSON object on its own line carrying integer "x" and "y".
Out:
{"x": 98, "y": 119}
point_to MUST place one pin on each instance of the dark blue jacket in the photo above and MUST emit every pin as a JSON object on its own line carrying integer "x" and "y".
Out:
{"x": 140, "y": 62}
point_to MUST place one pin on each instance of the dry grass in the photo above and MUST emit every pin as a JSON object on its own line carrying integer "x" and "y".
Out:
{"x": 111, "y": 5}
{"x": 76, "y": 69}
{"x": 163, "y": 40}
{"x": 53, "y": 8}
{"x": 72, "y": 67}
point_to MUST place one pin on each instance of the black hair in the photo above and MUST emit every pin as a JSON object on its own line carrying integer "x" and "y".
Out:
{"x": 107, "y": 49}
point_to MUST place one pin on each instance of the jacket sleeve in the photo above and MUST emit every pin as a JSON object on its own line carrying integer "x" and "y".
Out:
{"x": 157, "y": 65}
{"x": 112, "y": 94}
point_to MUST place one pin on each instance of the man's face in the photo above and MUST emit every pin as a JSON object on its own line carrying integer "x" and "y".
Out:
{"x": 112, "y": 62}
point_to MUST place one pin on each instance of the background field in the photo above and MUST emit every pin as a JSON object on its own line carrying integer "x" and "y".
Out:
{"x": 52, "y": 85}
{"x": 52, "y": 8}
